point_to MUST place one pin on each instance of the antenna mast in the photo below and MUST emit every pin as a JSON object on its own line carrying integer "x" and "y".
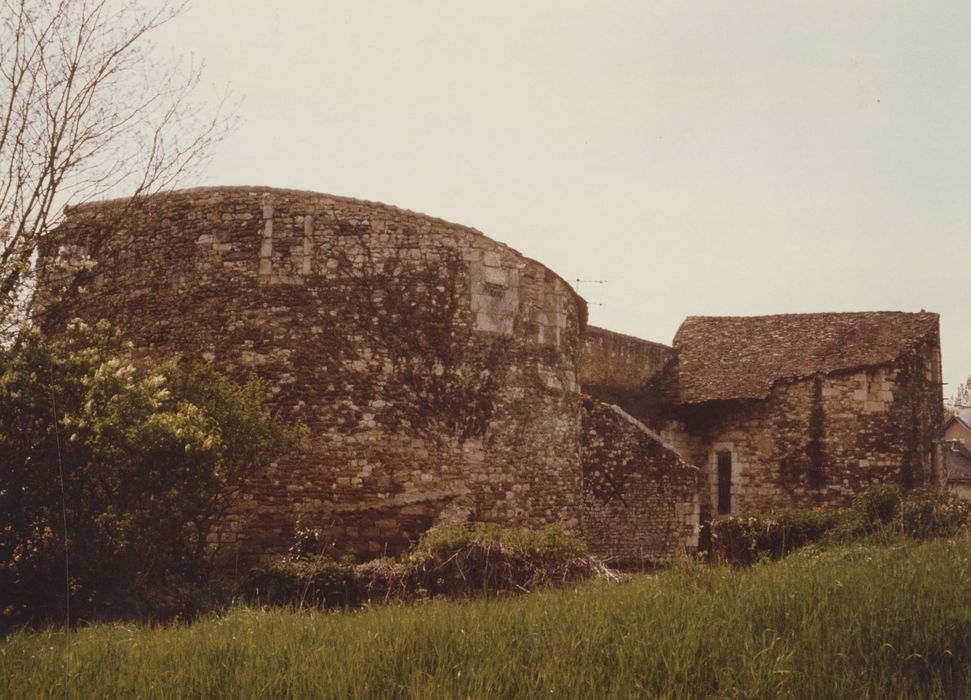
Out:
{"x": 576, "y": 285}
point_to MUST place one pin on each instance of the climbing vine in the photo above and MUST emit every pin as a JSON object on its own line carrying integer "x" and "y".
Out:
{"x": 815, "y": 448}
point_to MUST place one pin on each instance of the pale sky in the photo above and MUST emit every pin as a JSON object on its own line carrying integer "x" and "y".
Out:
{"x": 705, "y": 158}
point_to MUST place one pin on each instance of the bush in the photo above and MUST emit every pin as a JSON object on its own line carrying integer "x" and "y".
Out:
{"x": 801, "y": 526}
{"x": 851, "y": 526}
{"x": 927, "y": 513}
{"x": 735, "y": 540}
{"x": 304, "y": 577}
{"x": 879, "y": 514}
{"x": 921, "y": 513}
{"x": 747, "y": 539}
{"x": 878, "y": 504}
{"x": 149, "y": 457}
{"x": 314, "y": 580}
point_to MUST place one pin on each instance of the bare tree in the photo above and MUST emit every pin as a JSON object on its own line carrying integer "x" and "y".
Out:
{"x": 87, "y": 111}
{"x": 960, "y": 402}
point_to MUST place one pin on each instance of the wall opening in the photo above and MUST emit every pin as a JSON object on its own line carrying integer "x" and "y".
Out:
{"x": 724, "y": 481}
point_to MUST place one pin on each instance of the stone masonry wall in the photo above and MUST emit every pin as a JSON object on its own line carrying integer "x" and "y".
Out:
{"x": 820, "y": 440}
{"x": 434, "y": 368}
{"x": 640, "y": 499}
{"x": 618, "y": 368}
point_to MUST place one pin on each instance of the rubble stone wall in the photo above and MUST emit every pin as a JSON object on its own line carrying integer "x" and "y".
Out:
{"x": 435, "y": 368}
{"x": 820, "y": 440}
{"x": 618, "y": 368}
{"x": 640, "y": 499}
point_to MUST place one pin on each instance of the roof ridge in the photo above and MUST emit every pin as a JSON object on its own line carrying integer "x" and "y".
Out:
{"x": 741, "y": 357}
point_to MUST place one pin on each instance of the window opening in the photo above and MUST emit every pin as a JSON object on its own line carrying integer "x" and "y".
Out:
{"x": 724, "y": 483}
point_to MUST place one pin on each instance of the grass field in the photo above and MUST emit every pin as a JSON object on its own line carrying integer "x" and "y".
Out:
{"x": 858, "y": 622}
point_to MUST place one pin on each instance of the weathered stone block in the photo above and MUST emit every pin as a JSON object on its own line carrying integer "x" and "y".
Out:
{"x": 400, "y": 357}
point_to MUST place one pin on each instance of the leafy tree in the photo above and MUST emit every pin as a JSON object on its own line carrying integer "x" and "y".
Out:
{"x": 134, "y": 462}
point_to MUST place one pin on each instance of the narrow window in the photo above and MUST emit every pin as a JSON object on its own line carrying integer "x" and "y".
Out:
{"x": 724, "y": 483}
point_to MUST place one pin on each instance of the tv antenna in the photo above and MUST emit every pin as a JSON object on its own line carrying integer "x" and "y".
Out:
{"x": 576, "y": 285}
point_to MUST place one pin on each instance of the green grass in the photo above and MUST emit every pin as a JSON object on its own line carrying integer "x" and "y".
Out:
{"x": 857, "y": 622}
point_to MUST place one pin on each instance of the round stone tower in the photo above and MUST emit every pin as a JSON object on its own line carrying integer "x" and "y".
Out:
{"x": 435, "y": 368}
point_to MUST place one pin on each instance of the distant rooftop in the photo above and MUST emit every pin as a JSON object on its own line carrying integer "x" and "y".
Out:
{"x": 957, "y": 461}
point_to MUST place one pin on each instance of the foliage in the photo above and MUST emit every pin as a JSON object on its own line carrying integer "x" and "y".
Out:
{"x": 852, "y": 622}
{"x": 550, "y": 543}
{"x": 879, "y": 504}
{"x": 313, "y": 580}
{"x": 747, "y": 539}
{"x": 926, "y": 513}
{"x": 880, "y": 513}
{"x": 148, "y": 458}
{"x": 304, "y": 577}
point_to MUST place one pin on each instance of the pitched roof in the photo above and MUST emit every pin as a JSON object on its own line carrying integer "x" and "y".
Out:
{"x": 955, "y": 418}
{"x": 957, "y": 461}
{"x": 742, "y": 357}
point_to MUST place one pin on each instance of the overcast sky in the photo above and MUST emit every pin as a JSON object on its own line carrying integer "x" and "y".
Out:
{"x": 705, "y": 158}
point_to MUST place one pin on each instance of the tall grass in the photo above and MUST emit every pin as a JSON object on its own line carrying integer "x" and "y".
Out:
{"x": 856, "y": 622}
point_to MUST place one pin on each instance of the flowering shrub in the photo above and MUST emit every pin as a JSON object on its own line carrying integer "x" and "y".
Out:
{"x": 133, "y": 462}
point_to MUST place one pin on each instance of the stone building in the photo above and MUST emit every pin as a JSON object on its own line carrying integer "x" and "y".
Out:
{"x": 957, "y": 455}
{"x": 435, "y": 369}
{"x": 957, "y": 429}
{"x": 799, "y": 409}
{"x": 445, "y": 377}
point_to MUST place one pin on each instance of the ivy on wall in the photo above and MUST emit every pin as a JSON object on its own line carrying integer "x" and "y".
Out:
{"x": 815, "y": 447}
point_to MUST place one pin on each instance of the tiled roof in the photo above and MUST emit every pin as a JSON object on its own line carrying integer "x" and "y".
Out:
{"x": 957, "y": 461}
{"x": 956, "y": 419}
{"x": 741, "y": 357}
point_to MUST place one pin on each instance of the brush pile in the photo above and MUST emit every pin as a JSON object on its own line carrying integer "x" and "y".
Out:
{"x": 453, "y": 561}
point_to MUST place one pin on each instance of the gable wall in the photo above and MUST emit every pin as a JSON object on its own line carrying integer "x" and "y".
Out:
{"x": 820, "y": 441}
{"x": 640, "y": 499}
{"x": 958, "y": 431}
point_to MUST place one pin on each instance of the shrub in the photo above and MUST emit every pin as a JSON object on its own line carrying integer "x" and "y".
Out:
{"x": 879, "y": 514}
{"x": 747, "y": 539}
{"x": 149, "y": 457}
{"x": 851, "y": 525}
{"x": 802, "y": 526}
{"x": 878, "y": 504}
{"x": 313, "y": 580}
{"x": 927, "y": 513}
{"x": 550, "y": 544}
{"x": 735, "y": 540}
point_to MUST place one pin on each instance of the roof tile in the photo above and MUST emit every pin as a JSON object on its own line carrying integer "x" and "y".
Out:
{"x": 742, "y": 357}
